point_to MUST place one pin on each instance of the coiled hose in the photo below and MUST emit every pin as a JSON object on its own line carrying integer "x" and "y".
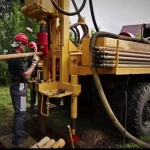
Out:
{"x": 100, "y": 89}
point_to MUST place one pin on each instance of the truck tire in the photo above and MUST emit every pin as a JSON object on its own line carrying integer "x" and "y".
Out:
{"x": 138, "y": 110}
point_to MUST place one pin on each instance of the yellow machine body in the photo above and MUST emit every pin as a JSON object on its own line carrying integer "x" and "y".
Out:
{"x": 73, "y": 61}
{"x": 38, "y": 8}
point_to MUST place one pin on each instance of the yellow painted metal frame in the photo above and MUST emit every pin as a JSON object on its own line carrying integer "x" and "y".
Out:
{"x": 85, "y": 67}
{"x": 38, "y": 8}
{"x": 73, "y": 61}
{"x": 60, "y": 48}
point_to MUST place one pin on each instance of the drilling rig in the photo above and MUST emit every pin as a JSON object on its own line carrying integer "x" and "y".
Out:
{"x": 104, "y": 73}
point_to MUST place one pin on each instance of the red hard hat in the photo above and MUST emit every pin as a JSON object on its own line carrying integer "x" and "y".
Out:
{"x": 32, "y": 45}
{"x": 21, "y": 37}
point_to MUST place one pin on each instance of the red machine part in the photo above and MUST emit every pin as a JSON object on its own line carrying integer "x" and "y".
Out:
{"x": 127, "y": 34}
{"x": 75, "y": 138}
{"x": 43, "y": 44}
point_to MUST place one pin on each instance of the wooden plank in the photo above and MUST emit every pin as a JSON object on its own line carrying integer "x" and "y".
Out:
{"x": 6, "y": 141}
{"x": 29, "y": 141}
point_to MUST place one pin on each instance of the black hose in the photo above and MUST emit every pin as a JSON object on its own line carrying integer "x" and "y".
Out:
{"x": 78, "y": 33}
{"x": 93, "y": 16}
{"x": 76, "y": 8}
{"x": 85, "y": 29}
{"x": 69, "y": 13}
{"x": 101, "y": 91}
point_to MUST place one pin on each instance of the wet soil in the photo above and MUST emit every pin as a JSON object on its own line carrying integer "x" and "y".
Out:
{"x": 91, "y": 138}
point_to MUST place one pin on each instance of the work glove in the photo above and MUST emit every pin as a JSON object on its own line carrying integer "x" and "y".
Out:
{"x": 35, "y": 60}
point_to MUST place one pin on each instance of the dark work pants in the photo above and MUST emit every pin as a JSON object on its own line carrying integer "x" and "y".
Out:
{"x": 32, "y": 91}
{"x": 18, "y": 93}
{"x": 33, "y": 97}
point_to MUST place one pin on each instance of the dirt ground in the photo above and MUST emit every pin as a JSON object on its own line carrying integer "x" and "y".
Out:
{"x": 98, "y": 139}
{"x": 91, "y": 138}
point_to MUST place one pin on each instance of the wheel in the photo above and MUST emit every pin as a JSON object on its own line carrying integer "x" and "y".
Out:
{"x": 138, "y": 109}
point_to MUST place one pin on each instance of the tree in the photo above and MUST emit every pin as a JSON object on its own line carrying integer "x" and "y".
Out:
{"x": 12, "y": 21}
{"x": 92, "y": 31}
{"x": 6, "y": 6}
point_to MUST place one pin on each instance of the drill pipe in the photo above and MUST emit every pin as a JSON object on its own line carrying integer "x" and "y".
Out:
{"x": 103, "y": 52}
{"x": 20, "y": 55}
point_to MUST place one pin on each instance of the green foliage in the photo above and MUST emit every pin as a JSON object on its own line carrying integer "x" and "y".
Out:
{"x": 129, "y": 145}
{"x": 5, "y": 6}
{"x": 132, "y": 145}
{"x": 4, "y": 76}
{"x": 12, "y": 21}
{"x": 92, "y": 31}
{"x": 72, "y": 36}
{"x": 6, "y": 109}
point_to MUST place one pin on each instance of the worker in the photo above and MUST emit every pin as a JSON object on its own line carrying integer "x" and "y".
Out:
{"x": 33, "y": 48}
{"x": 19, "y": 74}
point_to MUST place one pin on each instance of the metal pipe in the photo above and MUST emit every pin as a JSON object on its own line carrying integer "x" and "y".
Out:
{"x": 70, "y": 134}
{"x": 103, "y": 57}
{"x": 134, "y": 62}
{"x": 122, "y": 50}
{"x": 120, "y": 62}
{"x": 121, "y": 66}
{"x": 20, "y": 55}
{"x": 124, "y": 54}
{"x": 133, "y": 66}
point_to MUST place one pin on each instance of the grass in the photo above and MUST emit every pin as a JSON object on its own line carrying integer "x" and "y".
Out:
{"x": 5, "y": 101}
{"x": 6, "y": 110}
{"x": 132, "y": 145}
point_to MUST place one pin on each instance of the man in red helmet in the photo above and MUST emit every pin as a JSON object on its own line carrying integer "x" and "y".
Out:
{"x": 19, "y": 73}
{"x": 33, "y": 48}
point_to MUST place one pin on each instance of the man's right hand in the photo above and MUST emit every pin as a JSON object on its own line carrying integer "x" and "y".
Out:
{"x": 35, "y": 60}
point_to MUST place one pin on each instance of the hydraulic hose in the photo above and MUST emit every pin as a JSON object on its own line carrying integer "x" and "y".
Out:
{"x": 101, "y": 92}
{"x": 78, "y": 33}
{"x": 85, "y": 29}
{"x": 76, "y": 8}
{"x": 93, "y": 16}
{"x": 69, "y": 13}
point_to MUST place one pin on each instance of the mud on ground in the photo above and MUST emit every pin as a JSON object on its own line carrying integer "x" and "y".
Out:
{"x": 92, "y": 138}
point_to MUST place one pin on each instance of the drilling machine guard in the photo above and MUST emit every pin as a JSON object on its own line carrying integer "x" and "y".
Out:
{"x": 44, "y": 10}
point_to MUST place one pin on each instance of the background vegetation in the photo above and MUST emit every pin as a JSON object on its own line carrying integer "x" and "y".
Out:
{"x": 12, "y": 22}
